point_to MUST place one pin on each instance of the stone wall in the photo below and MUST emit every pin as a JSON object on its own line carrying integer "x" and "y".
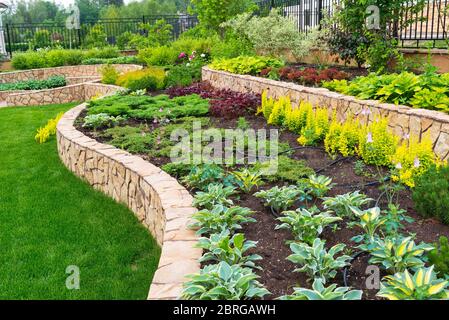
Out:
{"x": 158, "y": 200}
{"x": 67, "y": 71}
{"x": 402, "y": 119}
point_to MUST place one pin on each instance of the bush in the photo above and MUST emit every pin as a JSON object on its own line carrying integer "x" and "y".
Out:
{"x": 158, "y": 56}
{"x": 96, "y": 37}
{"x": 431, "y": 193}
{"x": 51, "y": 82}
{"x": 151, "y": 79}
{"x": 439, "y": 257}
{"x": 183, "y": 75}
{"x": 41, "y": 39}
{"x": 109, "y": 74}
{"x": 246, "y": 64}
{"x": 118, "y": 60}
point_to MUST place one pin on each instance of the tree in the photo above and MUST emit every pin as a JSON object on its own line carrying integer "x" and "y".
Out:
{"x": 212, "y": 13}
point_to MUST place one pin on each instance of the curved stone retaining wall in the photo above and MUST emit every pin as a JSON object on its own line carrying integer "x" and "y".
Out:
{"x": 157, "y": 199}
{"x": 403, "y": 120}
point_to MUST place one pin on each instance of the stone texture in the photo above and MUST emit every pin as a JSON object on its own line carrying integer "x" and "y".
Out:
{"x": 402, "y": 119}
{"x": 157, "y": 199}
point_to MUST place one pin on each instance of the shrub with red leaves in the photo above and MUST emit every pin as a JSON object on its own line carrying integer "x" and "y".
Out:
{"x": 311, "y": 76}
{"x": 222, "y": 103}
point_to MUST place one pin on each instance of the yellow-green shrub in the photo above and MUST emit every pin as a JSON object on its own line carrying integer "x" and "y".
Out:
{"x": 151, "y": 78}
{"x": 280, "y": 108}
{"x": 43, "y": 134}
{"x": 296, "y": 119}
{"x": 109, "y": 74}
{"x": 411, "y": 159}
{"x": 266, "y": 106}
{"x": 317, "y": 125}
{"x": 342, "y": 137}
{"x": 376, "y": 143}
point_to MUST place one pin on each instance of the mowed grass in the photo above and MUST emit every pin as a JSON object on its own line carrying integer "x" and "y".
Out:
{"x": 50, "y": 219}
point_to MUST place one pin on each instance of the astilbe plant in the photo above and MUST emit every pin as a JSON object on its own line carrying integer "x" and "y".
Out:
{"x": 224, "y": 282}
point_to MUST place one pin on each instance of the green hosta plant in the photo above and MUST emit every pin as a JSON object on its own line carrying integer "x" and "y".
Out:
{"x": 216, "y": 194}
{"x": 248, "y": 179}
{"x": 370, "y": 222}
{"x": 220, "y": 219}
{"x": 423, "y": 285}
{"x": 319, "y": 185}
{"x": 306, "y": 225}
{"x": 342, "y": 204}
{"x": 223, "y": 247}
{"x": 201, "y": 176}
{"x": 101, "y": 120}
{"x": 320, "y": 292}
{"x": 224, "y": 282}
{"x": 399, "y": 254}
{"x": 280, "y": 199}
{"x": 316, "y": 261}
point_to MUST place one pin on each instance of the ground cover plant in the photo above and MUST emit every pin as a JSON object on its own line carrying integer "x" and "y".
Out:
{"x": 51, "y": 220}
{"x": 330, "y": 211}
{"x": 34, "y": 84}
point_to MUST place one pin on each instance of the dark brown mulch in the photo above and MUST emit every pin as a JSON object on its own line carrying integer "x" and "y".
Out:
{"x": 277, "y": 274}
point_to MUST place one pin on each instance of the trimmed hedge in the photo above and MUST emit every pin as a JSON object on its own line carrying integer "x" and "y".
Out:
{"x": 51, "y": 82}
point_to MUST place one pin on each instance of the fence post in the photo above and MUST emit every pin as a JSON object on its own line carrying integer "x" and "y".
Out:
{"x": 9, "y": 40}
{"x": 320, "y": 13}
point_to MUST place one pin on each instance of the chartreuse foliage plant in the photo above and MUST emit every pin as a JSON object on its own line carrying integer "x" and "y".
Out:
{"x": 280, "y": 199}
{"x": 230, "y": 249}
{"x": 377, "y": 144}
{"x": 320, "y": 292}
{"x": 399, "y": 254}
{"x": 318, "y": 185}
{"x": 245, "y": 64}
{"x": 343, "y": 137}
{"x": 44, "y": 133}
{"x": 306, "y": 224}
{"x": 318, "y": 262}
{"x": 224, "y": 282}
{"x": 248, "y": 179}
{"x": 316, "y": 127}
{"x": 439, "y": 257}
{"x": 422, "y": 285}
{"x": 341, "y": 204}
{"x": 215, "y": 194}
{"x": 411, "y": 159}
{"x": 220, "y": 219}
{"x": 152, "y": 78}
{"x": 431, "y": 193}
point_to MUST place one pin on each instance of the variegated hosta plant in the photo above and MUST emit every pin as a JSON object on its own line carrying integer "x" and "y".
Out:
{"x": 223, "y": 247}
{"x": 398, "y": 254}
{"x": 320, "y": 292}
{"x": 341, "y": 204}
{"x": 370, "y": 221}
{"x": 224, "y": 282}
{"x": 316, "y": 261}
{"x": 423, "y": 285}
{"x": 279, "y": 199}
{"x": 319, "y": 185}
{"x": 215, "y": 194}
{"x": 221, "y": 218}
{"x": 306, "y": 225}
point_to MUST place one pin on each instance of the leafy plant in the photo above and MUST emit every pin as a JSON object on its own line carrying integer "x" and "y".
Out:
{"x": 101, "y": 120}
{"x": 342, "y": 137}
{"x": 370, "y": 221}
{"x": 319, "y": 185}
{"x": 306, "y": 225}
{"x": 201, "y": 176}
{"x": 318, "y": 262}
{"x": 109, "y": 74}
{"x": 223, "y": 247}
{"x": 395, "y": 217}
{"x": 151, "y": 79}
{"x": 399, "y": 254}
{"x": 439, "y": 257}
{"x": 422, "y": 285}
{"x": 44, "y": 133}
{"x": 341, "y": 204}
{"x": 216, "y": 194}
{"x": 319, "y": 292}
{"x": 220, "y": 219}
{"x": 279, "y": 199}
{"x": 290, "y": 170}
{"x": 431, "y": 193}
{"x": 248, "y": 179}
{"x": 35, "y": 84}
{"x": 245, "y": 64}
{"x": 231, "y": 105}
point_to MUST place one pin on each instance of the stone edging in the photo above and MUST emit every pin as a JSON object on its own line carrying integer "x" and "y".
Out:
{"x": 160, "y": 203}
{"x": 403, "y": 120}
{"x": 76, "y": 77}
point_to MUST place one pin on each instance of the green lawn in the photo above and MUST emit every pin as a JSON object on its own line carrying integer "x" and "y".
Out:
{"x": 50, "y": 219}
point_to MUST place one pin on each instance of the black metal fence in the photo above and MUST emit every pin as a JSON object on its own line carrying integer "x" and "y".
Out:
{"x": 21, "y": 37}
{"x": 430, "y": 26}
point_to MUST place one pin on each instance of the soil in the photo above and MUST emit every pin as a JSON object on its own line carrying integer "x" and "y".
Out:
{"x": 350, "y": 70}
{"x": 277, "y": 274}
